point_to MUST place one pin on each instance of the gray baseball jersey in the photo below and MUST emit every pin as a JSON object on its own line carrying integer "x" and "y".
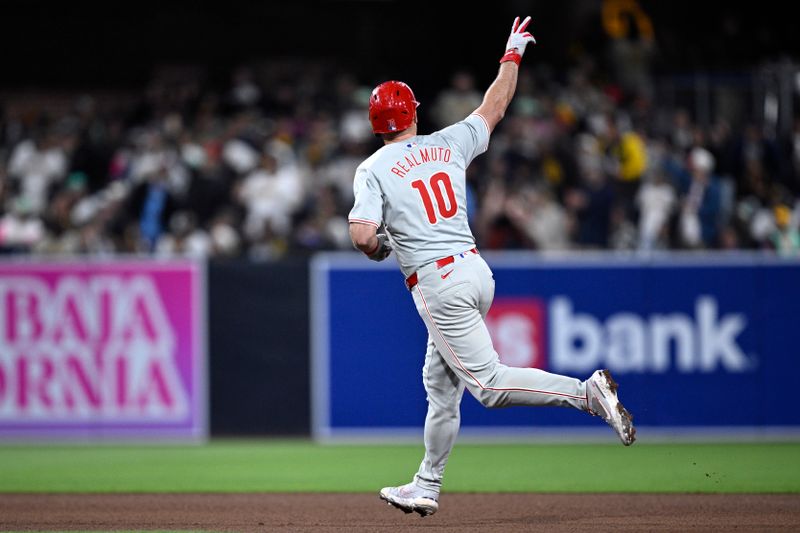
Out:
{"x": 417, "y": 189}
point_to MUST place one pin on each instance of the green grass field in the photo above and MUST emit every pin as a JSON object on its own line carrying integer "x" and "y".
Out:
{"x": 300, "y": 466}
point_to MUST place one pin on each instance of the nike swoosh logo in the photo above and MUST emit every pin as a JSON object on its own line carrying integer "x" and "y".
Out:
{"x": 444, "y": 276}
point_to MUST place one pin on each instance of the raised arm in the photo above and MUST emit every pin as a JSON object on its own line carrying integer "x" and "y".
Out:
{"x": 499, "y": 94}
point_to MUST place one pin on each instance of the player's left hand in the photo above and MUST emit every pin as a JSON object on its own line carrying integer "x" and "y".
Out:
{"x": 517, "y": 41}
{"x": 383, "y": 249}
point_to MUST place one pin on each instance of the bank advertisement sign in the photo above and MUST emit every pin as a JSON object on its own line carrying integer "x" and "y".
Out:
{"x": 695, "y": 342}
{"x": 102, "y": 350}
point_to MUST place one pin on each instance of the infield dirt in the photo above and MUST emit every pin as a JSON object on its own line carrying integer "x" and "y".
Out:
{"x": 366, "y": 513}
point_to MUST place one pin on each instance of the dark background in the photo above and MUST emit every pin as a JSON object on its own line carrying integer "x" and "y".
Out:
{"x": 118, "y": 44}
{"x": 258, "y": 321}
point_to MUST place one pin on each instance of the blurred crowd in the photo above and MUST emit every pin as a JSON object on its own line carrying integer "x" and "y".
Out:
{"x": 265, "y": 168}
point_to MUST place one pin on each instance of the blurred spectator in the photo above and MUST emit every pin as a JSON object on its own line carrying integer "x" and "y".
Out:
{"x": 624, "y": 236}
{"x": 699, "y": 218}
{"x": 756, "y": 151}
{"x": 626, "y": 161}
{"x": 591, "y": 203}
{"x": 793, "y": 159}
{"x": 151, "y": 204}
{"x": 225, "y": 239}
{"x": 185, "y": 238}
{"x": 323, "y": 226}
{"x": 539, "y": 217}
{"x": 493, "y": 227}
{"x": 656, "y": 200}
{"x": 682, "y": 137}
{"x": 354, "y": 130}
{"x": 245, "y": 92}
{"x": 457, "y": 102}
{"x": 785, "y": 239}
{"x": 20, "y": 228}
{"x": 340, "y": 169}
{"x": 36, "y": 163}
{"x": 631, "y": 47}
{"x": 271, "y": 193}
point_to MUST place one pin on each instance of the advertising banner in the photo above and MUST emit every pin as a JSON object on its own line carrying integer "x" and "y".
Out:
{"x": 102, "y": 350}
{"x": 696, "y": 342}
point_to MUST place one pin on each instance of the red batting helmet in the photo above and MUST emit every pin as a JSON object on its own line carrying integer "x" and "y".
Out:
{"x": 392, "y": 107}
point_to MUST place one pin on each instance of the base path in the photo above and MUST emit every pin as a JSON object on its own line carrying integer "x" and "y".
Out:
{"x": 351, "y": 513}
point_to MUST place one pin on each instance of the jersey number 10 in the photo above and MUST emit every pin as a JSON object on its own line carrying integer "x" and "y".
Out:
{"x": 439, "y": 181}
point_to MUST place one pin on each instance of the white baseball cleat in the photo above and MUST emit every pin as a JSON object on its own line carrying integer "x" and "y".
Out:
{"x": 601, "y": 391}
{"x": 411, "y": 498}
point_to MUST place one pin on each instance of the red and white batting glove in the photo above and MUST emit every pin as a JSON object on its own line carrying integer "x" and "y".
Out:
{"x": 517, "y": 41}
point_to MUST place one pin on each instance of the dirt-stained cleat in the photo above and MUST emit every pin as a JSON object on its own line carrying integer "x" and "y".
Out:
{"x": 410, "y": 498}
{"x": 601, "y": 390}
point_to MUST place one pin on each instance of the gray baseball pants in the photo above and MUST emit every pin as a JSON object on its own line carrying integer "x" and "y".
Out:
{"x": 453, "y": 302}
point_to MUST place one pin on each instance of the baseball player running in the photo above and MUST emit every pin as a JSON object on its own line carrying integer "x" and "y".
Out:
{"x": 414, "y": 187}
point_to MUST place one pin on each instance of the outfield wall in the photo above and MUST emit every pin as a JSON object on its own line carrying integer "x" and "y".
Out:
{"x": 700, "y": 344}
{"x": 116, "y": 350}
{"x": 97, "y": 350}
{"x": 258, "y": 346}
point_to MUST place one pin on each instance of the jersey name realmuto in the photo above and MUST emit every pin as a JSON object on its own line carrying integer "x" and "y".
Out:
{"x": 417, "y": 190}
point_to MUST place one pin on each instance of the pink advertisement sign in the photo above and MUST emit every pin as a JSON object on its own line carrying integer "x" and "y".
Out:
{"x": 102, "y": 350}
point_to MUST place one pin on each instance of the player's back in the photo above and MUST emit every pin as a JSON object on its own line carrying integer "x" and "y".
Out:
{"x": 417, "y": 189}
